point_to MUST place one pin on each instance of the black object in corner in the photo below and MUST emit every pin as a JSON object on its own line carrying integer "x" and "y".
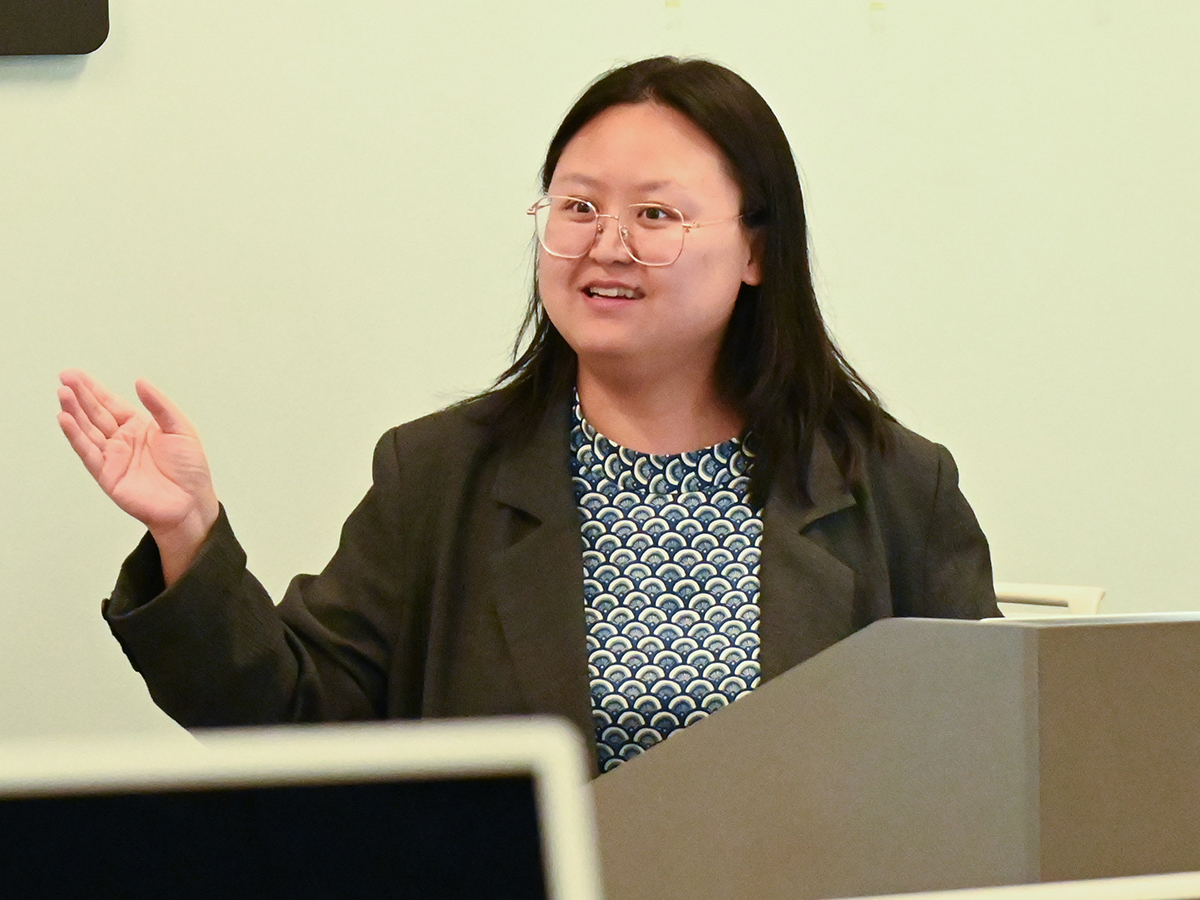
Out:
{"x": 52, "y": 27}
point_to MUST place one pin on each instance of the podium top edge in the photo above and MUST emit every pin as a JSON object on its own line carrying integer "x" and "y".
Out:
{"x": 1103, "y": 619}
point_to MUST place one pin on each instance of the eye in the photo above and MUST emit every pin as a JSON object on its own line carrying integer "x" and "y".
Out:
{"x": 574, "y": 207}
{"x": 655, "y": 215}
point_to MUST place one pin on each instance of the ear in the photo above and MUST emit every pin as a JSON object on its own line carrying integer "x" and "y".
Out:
{"x": 752, "y": 274}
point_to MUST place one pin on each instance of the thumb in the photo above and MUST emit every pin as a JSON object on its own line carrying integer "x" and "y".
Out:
{"x": 165, "y": 413}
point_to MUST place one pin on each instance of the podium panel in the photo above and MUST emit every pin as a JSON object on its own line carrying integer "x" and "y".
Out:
{"x": 926, "y": 754}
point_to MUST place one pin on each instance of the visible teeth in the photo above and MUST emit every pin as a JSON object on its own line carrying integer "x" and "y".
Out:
{"x": 627, "y": 293}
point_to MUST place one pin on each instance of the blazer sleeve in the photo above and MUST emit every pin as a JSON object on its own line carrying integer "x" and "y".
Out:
{"x": 215, "y": 651}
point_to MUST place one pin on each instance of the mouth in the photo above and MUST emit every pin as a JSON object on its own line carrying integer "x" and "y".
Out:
{"x": 613, "y": 292}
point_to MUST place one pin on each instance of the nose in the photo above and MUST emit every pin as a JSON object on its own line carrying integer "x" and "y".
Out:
{"x": 608, "y": 246}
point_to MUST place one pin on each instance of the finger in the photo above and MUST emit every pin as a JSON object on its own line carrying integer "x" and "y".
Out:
{"x": 119, "y": 409}
{"x": 68, "y": 401}
{"x": 165, "y": 413}
{"x": 84, "y": 447}
{"x": 101, "y": 407}
{"x": 96, "y": 412}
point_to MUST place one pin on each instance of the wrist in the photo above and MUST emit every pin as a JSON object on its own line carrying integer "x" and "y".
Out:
{"x": 180, "y": 543}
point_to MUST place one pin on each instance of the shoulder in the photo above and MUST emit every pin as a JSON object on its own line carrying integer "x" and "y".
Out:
{"x": 903, "y": 487}
{"x": 938, "y": 556}
{"x": 424, "y": 470}
{"x": 911, "y": 469}
{"x": 470, "y": 444}
{"x": 445, "y": 439}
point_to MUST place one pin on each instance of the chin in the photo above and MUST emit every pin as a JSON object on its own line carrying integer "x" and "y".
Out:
{"x": 607, "y": 354}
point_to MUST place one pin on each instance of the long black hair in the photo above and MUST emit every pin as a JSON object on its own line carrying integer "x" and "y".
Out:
{"x": 777, "y": 367}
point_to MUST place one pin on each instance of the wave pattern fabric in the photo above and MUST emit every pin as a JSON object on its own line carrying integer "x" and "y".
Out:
{"x": 670, "y": 557}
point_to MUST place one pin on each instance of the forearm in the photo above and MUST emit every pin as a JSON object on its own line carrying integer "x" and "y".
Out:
{"x": 213, "y": 648}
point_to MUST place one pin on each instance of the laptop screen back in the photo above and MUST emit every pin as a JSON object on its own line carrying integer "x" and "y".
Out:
{"x": 311, "y": 831}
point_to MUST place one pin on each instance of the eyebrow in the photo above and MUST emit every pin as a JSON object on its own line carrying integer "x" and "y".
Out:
{"x": 589, "y": 182}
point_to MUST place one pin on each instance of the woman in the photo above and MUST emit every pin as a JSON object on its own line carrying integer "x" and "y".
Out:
{"x": 679, "y": 411}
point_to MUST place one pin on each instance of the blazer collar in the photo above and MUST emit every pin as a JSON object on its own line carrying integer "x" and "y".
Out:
{"x": 538, "y": 570}
{"x": 534, "y": 477}
{"x": 807, "y": 593}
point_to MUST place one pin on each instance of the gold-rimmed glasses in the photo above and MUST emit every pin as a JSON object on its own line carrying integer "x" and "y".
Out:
{"x": 652, "y": 233}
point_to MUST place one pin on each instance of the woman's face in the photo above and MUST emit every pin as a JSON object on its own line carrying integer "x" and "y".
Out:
{"x": 613, "y": 310}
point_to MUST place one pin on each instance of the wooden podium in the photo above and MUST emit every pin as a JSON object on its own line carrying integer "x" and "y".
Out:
{"x": 924, "y": 754}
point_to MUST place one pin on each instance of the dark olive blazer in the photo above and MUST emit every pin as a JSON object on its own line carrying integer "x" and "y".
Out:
{"x": 457, "y": 587}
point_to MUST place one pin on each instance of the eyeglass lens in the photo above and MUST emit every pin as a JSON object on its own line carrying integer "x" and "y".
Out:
{"x": 653, "y": 234}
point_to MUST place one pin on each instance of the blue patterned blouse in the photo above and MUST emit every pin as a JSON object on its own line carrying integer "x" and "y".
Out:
{"x": 670, "y": 559}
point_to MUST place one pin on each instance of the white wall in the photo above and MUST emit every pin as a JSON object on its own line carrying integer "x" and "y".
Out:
{"x": 306, "y": 222}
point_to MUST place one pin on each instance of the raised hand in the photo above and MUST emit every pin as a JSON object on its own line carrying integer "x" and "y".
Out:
{"x": 150, "y": 463}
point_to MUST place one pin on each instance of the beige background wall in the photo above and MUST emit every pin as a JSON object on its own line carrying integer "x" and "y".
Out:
{"x": 306, "y": 222}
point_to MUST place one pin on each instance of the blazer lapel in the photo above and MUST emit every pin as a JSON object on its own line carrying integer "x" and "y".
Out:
{"x": 538, "y": 570}
{"x": 807, "y": 594}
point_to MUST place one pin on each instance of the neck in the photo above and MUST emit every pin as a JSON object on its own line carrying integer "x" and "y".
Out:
{"x": 670, "y": 413}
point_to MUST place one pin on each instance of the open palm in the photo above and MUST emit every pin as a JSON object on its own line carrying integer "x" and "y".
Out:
{"x": 151, "y": 462}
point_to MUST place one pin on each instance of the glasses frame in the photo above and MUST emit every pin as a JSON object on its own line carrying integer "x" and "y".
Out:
{"x": 622, "y": 231}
